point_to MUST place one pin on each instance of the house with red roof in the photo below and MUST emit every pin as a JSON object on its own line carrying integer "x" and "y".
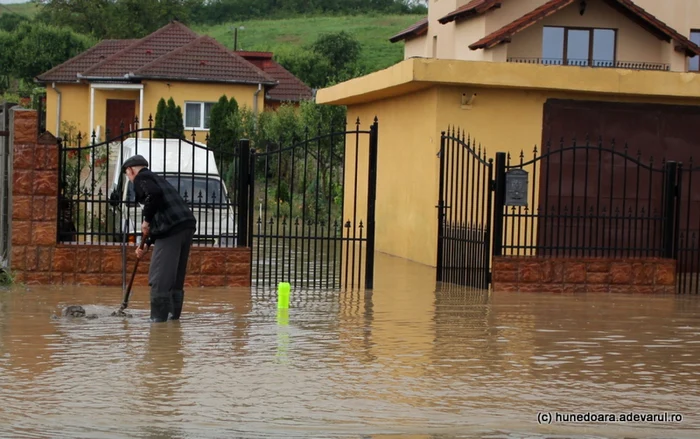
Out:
{"x": 120, "y": 81}
{"x": 525, "y": 77}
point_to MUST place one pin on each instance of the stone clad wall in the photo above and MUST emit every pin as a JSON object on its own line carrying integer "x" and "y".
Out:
{"x": 37, "y": 258}
{"x": 582, "y": 275}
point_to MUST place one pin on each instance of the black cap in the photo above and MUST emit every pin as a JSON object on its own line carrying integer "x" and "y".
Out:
{"x": 137, "y": 160}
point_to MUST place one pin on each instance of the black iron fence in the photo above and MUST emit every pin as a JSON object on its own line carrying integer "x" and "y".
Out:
{"x": 96, "y": 202}
{"x": 631, "y": 65}
{"x": 581, "y": 199}
{"x": 588, "y": 201}
{"x": 311, "y": 224}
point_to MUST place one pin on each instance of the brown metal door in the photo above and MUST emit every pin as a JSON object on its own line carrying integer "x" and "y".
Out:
{"x": 644, "y": 132}
{"x": 119, "y": 111}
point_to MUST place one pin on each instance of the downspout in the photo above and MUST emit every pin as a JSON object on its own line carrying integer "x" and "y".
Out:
{"x": 255, "y": 99}
{"x": 58, "y": 110}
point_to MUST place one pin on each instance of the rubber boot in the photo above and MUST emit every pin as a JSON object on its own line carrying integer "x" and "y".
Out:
{"x": 160, "y": 308}
{"x": 178, "y": 299}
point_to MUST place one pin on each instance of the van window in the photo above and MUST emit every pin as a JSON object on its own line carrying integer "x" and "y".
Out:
{"x": 210, "y": 188}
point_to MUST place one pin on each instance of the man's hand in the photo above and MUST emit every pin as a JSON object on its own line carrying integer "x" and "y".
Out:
{"x": 140, "y": 251}
{"x": 145, "y": 229}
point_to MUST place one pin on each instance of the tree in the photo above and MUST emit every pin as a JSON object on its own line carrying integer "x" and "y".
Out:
{"x": 217, "y": 127}
{"x": 159, "y": 126}
{"x": 37, "y": 47}
{"x": 174, "y": 125}
{"x": 341, "y": 49}
{"x": 331, "y": 58}
{"x": 10, "y": 22}
{"x": 168, "y": 121}
{"x": 117, "y": 18}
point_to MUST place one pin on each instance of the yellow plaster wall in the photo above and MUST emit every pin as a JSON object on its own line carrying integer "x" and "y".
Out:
{"x": 445, "y": 33}
{"x": 75, "y": 106}
{"x": 198, "y": 92}
{"x": 415, "y": 47}
{"x": 466, "y": 33}
{"x": 406, "y": 189}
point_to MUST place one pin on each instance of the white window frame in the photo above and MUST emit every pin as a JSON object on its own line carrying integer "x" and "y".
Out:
{"x": 201, "y": 115}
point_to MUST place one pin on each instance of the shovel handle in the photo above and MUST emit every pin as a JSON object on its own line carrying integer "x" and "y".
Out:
{"x": 127, "y": 293}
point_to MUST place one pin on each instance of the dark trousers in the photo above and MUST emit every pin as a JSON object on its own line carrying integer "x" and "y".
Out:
{"x": 166, "y": 276}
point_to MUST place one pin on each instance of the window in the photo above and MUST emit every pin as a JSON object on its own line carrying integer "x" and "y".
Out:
{"x": 578, "y": 46}
{"x": 694, "y": 61}
{"x": 197, "y": 115}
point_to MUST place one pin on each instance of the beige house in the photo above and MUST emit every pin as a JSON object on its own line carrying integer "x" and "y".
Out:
{"x": 640, "y": 35}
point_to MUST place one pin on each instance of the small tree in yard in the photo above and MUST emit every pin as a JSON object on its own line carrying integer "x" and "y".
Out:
{"x": 222, "y": 136}
{"x": 168, "y": 122}
{"x": 174, "y": 124}
{"x": 160, "y": 116}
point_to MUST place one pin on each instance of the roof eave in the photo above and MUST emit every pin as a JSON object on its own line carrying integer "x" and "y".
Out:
{"x": 469, "y": 13}
{"x": 224, "y": 81}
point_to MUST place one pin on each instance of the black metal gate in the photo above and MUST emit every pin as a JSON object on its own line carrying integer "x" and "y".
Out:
{"x": 312, "y": 208}
{"x": 581, "y": 199}
{"x": 464, "y": 212}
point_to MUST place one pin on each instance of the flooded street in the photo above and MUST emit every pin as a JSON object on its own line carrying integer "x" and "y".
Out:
{"x": 402, "y": 361}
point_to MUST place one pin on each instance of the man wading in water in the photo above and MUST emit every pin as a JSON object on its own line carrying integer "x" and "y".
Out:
{"x": 170, "y": 225}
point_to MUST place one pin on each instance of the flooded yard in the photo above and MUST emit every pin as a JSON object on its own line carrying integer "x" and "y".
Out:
{"x": 406, "y": 360}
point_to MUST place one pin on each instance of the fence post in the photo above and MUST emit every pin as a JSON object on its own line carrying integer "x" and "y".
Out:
{"x": 441, "y": 210}
{"x": 669, "y": 211}
{"x": 371, "y": 203}
{"x": 242, "y": 189}
{"x": 499, "y": 203}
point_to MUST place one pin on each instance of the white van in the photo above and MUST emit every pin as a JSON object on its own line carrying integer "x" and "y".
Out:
{"x": 190, "y": 168}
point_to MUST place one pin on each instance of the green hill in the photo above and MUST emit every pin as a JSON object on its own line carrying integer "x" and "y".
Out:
{"x": 372, "y": 31}
{"x": 28, "y": 9}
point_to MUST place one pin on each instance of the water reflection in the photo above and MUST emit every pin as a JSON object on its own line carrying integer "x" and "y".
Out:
{"x": 408, "y": 359}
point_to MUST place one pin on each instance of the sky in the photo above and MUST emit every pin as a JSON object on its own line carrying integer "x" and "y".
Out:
{"x": 7, "y": 2}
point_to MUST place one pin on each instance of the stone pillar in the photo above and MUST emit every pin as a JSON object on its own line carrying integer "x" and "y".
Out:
{"x": 34, "y": 199}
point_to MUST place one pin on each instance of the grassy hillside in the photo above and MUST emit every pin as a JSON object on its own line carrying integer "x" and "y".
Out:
{"x": 28, "y": 10}
{"x": 372, "y": 31}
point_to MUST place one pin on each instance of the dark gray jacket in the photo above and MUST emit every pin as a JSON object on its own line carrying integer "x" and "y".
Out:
{"x": 163, "y": 207}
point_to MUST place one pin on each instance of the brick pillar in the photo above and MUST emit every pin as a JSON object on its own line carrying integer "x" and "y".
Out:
{"x": 34, "y": 199}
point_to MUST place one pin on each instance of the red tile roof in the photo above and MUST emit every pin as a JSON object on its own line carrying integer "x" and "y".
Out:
{"x": 289, "y": 88}
{"x": 68, "y": 71}
{"x": 203, "y": 59}
{"x": 626, "y": 7}
{"x": 174, "y": 52}
{"x": 471, "y": 9}
{"x": 413, "y": 30}
{"x": 143, "y": 51}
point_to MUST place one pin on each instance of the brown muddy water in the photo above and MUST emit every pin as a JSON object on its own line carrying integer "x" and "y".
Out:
{"x": 404, "y": 361}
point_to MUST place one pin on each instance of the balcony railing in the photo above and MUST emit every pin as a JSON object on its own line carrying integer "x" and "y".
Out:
{"x": 632, "y": 65}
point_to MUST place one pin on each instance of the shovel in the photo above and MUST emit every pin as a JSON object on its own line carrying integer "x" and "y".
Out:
{"x": 127, "y": 293}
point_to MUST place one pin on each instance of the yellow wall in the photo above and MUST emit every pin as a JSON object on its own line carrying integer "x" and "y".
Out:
{"x": 466, "y": 33}
{"x": 198, "y": 92}
{"x": 415, "y": 47}
{"x": 75, "y": 106}
{"x": 405, "y": 181}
